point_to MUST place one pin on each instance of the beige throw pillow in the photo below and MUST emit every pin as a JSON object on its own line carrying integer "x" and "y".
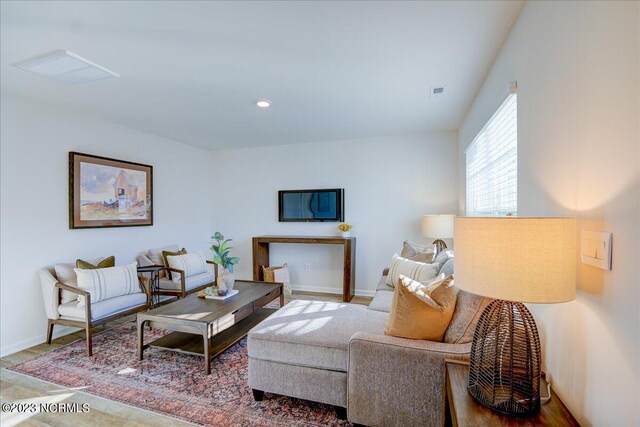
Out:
{"x": 418, "y": 252}
{"x": 420, "y": 271}
{"x": 420, "y": 311}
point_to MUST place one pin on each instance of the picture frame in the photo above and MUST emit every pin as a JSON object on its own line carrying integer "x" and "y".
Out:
{"x": 106, "y": 192}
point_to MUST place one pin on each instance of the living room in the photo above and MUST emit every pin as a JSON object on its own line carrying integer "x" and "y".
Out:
{"x": 217, "y": 108}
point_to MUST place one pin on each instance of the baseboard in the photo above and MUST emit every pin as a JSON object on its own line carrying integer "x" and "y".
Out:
{"x": 58, "y": 331}
{"x": 335, "y": 291}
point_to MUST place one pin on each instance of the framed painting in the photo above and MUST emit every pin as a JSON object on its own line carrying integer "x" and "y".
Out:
{"x": 107, "y": 192}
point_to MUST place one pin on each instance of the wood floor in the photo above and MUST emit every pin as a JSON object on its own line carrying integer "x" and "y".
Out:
{"x": 22, "y": 389}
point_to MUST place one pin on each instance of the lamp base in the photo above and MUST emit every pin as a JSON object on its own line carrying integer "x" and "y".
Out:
{"x": 440, "y": 245}
{"x": 504, "y": 369}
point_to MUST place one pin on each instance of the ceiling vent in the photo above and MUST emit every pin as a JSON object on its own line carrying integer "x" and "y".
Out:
{"x": 436, "y": 92}
{"x": 65, "y": 67}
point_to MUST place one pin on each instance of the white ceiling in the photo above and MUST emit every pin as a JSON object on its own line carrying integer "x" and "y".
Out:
{"x": 190, "y": 71}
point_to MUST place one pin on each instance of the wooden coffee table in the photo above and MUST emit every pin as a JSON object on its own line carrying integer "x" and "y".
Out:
{"x": 207, "y": 327}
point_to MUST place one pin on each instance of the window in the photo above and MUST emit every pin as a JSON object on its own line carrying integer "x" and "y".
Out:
{"x": 492, "y": 164}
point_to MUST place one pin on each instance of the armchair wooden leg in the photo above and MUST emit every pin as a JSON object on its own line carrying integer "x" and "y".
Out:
{"x": 89, "y": 340}
{"x": 341, "y": 413}
{"x": 49, "y": 331}
{"x": 258, "y": 395}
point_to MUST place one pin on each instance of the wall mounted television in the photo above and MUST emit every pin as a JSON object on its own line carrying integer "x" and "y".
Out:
{"x": 325, "y": 205}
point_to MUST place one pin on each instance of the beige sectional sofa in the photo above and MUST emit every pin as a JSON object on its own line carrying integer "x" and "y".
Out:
{"x": 338, "y": 354}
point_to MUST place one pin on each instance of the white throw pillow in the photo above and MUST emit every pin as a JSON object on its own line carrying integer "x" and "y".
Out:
{"x": 66, "y": 275}
{"x": 105, "y": 283}
{"x": 192, "y": 264}
{"x": 415, "y": 270}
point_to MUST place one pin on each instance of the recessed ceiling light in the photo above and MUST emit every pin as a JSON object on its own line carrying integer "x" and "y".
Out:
{"x": 263, "y": 103}
{"x": 65, "y": 67}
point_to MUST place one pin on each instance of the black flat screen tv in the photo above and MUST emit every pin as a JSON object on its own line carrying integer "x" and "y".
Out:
{"x": 325, "y": 205}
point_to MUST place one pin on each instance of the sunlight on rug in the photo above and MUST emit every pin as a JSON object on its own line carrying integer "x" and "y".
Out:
{"x": 172, "y": 384}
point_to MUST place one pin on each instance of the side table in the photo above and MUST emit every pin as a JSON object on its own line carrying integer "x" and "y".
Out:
{"x": 463, "y": 410}
{"x": 154, "y": 281}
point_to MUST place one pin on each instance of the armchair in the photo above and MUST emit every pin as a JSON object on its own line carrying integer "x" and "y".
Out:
{"x": 92, "y": 314}
{"x": 168, "y": 287}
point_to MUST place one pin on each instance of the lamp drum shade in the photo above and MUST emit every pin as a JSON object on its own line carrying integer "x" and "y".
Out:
{"x": 517, "y": 259}
{"x": 438, "y": 226}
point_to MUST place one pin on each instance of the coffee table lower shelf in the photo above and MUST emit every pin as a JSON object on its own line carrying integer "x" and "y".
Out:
{"x": 193, "y": 344}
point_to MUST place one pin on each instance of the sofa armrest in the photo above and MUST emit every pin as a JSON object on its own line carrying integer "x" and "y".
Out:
{"x": 397, "y": 381}
{"x": 50, "y": 293}
{"x": 183, "y": 290}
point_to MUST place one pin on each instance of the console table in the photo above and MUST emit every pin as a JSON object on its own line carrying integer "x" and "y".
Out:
{"x": 261, "y": 256}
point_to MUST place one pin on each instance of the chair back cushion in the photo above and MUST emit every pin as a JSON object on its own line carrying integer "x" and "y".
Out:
{"x": 66, "y": 275}
{"x": 105, "y": 283}
{"x": 155, "y": 255}
{"x": 192, "y": 264}
{"x": 420, "y": 271}
{"x": 418, "y": 252}
{"x": 468, "y": 309}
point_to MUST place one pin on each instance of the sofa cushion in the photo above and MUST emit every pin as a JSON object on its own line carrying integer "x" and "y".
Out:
{"x": 447, "y": 268}
{"x": 192, "y": 264}
{"x": 421, "y": 312}
{"x": 418, "y": 252}
{"x": 190, "y": 282}
{"x": 105, "y": 283}
{"x": 312, "y": 333}
{"x": 468, "y": 309}
{"x": 382, "y": 301}
{"x": 415, "y": 270}
{"x": 105, "y": 308}
{"x": 443, "y": 256}
{"x": 105, "y": 263}
{"x": 65, "y": 274}
{"x": 155, "y": 255}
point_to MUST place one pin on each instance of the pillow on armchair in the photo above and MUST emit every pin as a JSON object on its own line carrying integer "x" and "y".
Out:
{"x": 105, "y": 283}
{"x": 192, "y": 264}
{"x": 66, "y": 275}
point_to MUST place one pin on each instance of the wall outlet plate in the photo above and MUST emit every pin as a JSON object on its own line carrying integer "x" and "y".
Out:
{"x": 595, "y": 249}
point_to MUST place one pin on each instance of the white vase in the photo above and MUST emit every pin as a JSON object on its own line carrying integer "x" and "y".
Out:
{"x": 226, "y": 280}
{"x": 346, "y": 233}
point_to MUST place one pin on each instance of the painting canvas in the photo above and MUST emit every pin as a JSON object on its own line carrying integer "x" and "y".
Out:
{"x": 108, "y": 192}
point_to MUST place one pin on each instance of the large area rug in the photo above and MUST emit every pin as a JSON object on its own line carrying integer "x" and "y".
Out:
{"x": 172, "y": 384}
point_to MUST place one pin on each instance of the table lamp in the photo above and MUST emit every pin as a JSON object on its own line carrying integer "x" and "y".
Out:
{"x": 514, "y": 260}
{"x": 438, "y": 227}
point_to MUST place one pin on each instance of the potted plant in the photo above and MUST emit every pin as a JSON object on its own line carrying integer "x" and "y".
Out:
{"x": 221, "y": 249}
{"x": 345, "y": 229}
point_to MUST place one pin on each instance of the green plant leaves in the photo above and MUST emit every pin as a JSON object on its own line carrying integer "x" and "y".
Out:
{"x": 221, "y": 249}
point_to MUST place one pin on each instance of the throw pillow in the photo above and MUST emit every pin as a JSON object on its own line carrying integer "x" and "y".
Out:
{"x": 192, "y": 264}
{"x": 415, "y": 270}
{"x": 165, "y": 261}
{"x": 443, "y": 256}
{"x": 66, "y": 275}
{"x": 110, "y": 282}
{"x": 421, "y": 312}
{"x": 105, "y": 263}
{"x": 278, "y": 275}
{"x": 418, "y": 252}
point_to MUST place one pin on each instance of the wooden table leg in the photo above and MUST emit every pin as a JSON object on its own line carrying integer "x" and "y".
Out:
{"x": 281, "y": 297}
{"x": 140, "y": 339}
{"x": 349, "y": 272}
{"x": 207, "y": 352}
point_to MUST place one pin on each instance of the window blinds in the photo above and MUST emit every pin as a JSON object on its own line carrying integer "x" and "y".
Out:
{"x": 492, "y": 164}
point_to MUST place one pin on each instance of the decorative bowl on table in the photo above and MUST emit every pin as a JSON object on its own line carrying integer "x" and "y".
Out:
{"x": 212, "y": 291}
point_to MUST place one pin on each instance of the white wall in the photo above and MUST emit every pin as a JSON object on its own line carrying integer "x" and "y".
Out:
{"x": 576, "y": 64}
{"x": 389, "y": 182}
{"x": 35, "y": 142}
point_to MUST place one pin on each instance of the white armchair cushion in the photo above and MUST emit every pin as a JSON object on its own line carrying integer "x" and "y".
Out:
{"x": 99, "y": 310}
{"x": 66, "y": 274}
{"x": 155, "y": 254}
{"x": 192, "y": 264}
{"x": 105, "y": 283}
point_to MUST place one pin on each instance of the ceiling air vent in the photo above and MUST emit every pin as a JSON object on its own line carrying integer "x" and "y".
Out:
{"x": 65, "y": 67}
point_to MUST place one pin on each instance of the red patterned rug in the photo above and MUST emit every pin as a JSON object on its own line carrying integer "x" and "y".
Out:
{"x": 171, "y": 383}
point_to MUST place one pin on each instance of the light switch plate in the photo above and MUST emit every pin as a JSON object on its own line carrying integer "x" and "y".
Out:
{"x": 596, "y": 249}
